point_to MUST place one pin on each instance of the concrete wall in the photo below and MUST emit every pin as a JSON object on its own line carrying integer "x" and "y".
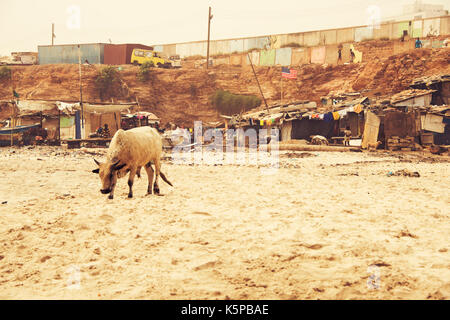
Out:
{"x": 383, "y": 31}
{"x": 363, "y": 33}
{"x": 267, "y": 57}
{"x": 300, "y": 56}
{"x": 283, "y": 56}
{"x": 431, "y": 27}
{"x": 345, "y": 35}
{"x": 92, "y": 52}
{"x": 445, "y": 25}
{"x": 254, "y": 55}
{"x": 328, "y": 37}
{"x": 313, "y": 40}
{"x": 318, "y": 54}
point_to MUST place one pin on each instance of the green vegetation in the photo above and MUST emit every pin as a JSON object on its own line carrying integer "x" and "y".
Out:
{"x": 228, "y": 103}
{"x": 291, "y": 45}
{"x": 193, "y": 90}
{"x": 5, "y": 73}
{"x": 195, "y": 57}
{"x": 106, "y": 81}
{"x": 145, "y": 73}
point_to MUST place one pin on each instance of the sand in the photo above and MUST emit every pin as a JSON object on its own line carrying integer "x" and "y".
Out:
{"x": 326, "y": 225}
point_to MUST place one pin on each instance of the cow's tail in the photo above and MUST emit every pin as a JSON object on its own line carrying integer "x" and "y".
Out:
{"x": 165, "y": 179}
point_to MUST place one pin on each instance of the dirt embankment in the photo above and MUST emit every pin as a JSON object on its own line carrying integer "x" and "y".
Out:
{"x": 182, "y": 95}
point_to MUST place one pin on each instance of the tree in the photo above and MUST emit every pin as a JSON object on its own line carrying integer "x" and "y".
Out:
{"x": 228, "y": 103}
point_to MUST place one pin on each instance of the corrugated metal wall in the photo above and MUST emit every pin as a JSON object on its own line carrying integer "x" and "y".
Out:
{"x": 93, "y": 53}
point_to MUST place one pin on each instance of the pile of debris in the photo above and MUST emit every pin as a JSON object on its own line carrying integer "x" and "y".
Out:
{"x": 395, "y": 143}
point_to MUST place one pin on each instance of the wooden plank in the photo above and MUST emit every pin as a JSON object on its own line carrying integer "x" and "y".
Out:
{"x": 371, "y": 128}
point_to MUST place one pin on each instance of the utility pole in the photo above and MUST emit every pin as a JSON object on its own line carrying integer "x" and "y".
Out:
{"x": 53, "y": 33}
{"x": 210, "y": 16}
{"x": 81, "y": 87}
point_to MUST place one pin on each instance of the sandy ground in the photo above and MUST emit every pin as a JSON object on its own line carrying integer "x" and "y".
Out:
{"x": 325, "y": 226}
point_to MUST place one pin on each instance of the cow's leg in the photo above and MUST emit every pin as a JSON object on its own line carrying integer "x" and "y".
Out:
{"x": 157, "y": 170}
{"x": 149, "y": 169}
{"x": 130, "y": 181}
{"x": 138, "y": 172}
{"x": 111, "y": 194}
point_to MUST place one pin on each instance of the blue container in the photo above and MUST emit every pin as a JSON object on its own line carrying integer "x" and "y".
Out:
{"x": 92, "y": 52}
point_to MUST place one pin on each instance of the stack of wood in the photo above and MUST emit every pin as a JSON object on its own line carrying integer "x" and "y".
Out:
{"x": 395, "y": 143}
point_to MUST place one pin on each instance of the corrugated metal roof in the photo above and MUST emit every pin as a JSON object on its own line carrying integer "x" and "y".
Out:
{"x": 409, "y": 94}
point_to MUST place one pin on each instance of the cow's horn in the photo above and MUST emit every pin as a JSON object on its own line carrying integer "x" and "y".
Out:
{"x": 98, "y": 163}
{"x": 115, "y": 164}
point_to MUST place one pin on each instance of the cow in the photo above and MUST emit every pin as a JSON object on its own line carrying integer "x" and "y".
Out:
{"x": 129, "y": 151}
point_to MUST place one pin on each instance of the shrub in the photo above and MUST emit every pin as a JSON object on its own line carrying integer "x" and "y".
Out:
{"x": 106, "y": 81}
{"x": 5, "y": 73}
{"x": 193, "y": 90}
{"x": 228, "y": 103}
{"x": 291, "y": 45}
{"x": 145, "y": 72}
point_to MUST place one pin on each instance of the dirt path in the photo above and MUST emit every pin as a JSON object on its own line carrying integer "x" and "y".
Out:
{"x": 325, "y": 226}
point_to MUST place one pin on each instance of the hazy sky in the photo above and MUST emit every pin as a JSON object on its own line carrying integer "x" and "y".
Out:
{"x": 26, "y": 24}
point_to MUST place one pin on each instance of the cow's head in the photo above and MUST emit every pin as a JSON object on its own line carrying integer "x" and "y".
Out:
{"x": 108, "y": 174}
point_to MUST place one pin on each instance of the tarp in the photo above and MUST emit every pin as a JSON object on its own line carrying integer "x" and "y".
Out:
{"x": 98, "y": 108}
{"x": 67, "y": 107}
{"x": 27, "y": 107}
{"x": 66, "y": 122}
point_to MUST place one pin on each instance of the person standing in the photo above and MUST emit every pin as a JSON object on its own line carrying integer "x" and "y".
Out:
{"x": 347, "y": 136}
{"x": 418, "y": 43}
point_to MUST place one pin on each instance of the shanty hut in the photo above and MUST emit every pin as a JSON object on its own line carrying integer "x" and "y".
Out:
{"x": 62, "y": 120}
{"x": 138, "y": 119}
{"x": 439, "y": 83}
{"x": 303, "y": 119}
{"x": 412, "y": 98}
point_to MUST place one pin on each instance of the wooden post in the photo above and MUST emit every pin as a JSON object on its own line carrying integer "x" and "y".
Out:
{"x": 81, "y": 92}
{"x": 209, "y": 28}
{"x": 281, "y": 87}
{"x": 12, "y": 126}
{"x": 59, "y": 127}
{"x": 53, "y": 32}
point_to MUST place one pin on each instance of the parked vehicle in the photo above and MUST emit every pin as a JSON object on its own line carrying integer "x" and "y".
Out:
{"x": 176, "y": 61}
{"x": 140, "y": 56}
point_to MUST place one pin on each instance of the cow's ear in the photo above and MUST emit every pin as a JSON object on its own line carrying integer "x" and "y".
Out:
{"x": 120, "y": 166}
{"x": 96, "y": 170}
